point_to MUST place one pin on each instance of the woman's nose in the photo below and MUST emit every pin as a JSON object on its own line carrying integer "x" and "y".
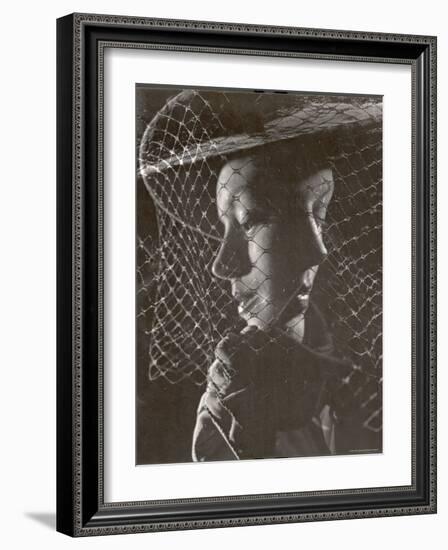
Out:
{"x": 232, "y": 260}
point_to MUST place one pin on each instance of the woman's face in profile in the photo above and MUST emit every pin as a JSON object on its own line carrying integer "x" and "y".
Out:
{"x": 269, "y": 252}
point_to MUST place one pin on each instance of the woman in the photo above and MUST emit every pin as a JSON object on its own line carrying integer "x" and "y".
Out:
{"x": 270, "y": 389}
{"x": 275, "y": 386}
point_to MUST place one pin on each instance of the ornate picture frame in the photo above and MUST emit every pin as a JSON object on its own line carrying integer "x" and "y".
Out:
{"x": 82, "y": 509}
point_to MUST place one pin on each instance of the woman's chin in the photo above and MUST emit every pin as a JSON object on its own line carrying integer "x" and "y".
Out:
{"x": 255, "y": 322}
{"x": 284, "y": 317}
{"x": 262, "y": 322}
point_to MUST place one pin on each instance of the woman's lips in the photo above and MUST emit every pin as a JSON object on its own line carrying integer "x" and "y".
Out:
{"x": 246, "y": 303}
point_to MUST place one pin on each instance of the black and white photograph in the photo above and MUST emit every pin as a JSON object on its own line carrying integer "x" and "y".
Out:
{"x": 258, "y": 274}
{"x": 221, "y": 239}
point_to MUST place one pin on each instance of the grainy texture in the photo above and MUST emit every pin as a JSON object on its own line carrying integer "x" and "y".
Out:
{"x": 420, "y": 52}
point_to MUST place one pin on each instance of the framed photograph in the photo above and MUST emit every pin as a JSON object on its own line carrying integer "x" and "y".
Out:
{"x": 246, "y": 274}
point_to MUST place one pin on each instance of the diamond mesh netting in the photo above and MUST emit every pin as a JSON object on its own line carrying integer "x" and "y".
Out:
{"x": 183, "y": 311}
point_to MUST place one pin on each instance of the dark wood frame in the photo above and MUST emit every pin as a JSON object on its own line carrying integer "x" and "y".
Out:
{"x": 81, "y": 39}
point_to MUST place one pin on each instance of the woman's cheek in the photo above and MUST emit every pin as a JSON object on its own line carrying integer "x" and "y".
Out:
{"x": 261, "y": 249}
{"x": 267, "y": 237}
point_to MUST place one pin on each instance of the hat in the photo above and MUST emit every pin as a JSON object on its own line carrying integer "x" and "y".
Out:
{"x": 196, "y": 125}
{"x": 185, "y": 144}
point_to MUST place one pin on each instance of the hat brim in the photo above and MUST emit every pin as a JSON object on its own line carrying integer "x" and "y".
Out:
{"x": 292, "y": 122}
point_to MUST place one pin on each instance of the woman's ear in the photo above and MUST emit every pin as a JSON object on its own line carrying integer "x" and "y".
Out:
{"x": 315, "y": 193}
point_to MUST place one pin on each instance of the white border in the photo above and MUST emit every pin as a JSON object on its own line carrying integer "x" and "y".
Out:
{"x": 123, "y": 481}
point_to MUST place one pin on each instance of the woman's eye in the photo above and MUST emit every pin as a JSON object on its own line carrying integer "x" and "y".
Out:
{"x": 252, "y": 222}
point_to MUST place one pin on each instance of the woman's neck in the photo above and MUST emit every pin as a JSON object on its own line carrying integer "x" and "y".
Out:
{"x": 309, "y": 327}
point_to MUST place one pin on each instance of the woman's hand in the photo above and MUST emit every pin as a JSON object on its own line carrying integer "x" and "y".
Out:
{"x": 268, "y": 360}
{"x": 262, "y": 383}
{"x": 257, "y": 386}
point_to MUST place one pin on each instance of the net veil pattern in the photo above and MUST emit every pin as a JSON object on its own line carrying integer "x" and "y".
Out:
{"x": 182, "y": 310}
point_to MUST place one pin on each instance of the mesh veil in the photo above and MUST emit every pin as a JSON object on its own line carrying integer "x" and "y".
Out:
{"x": 183, "y": 312}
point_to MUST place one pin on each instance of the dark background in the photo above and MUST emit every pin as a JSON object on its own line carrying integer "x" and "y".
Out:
{"x": 165, "y": 412}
